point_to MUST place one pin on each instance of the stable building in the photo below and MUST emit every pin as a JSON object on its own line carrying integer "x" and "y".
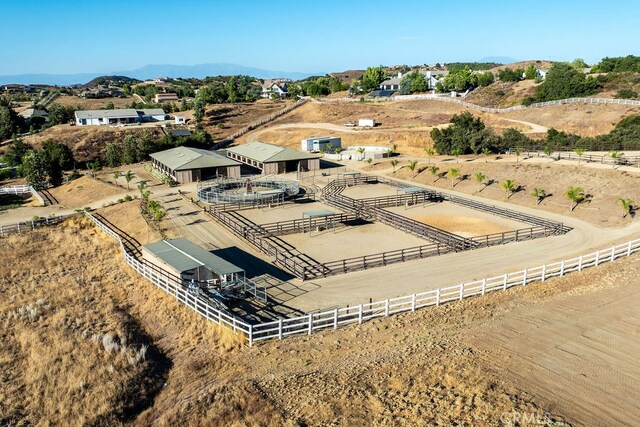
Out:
{"x": 273, "y": 159}
{"x": 186, "y": 164}
{"x": 183, "y": 258}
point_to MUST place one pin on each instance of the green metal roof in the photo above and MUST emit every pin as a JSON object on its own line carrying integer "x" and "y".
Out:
{"x": 318, "y": 213}
{"x": 185, "y": 158}
{"x": 184, "y": 255}
{"x": 266, "y": 153}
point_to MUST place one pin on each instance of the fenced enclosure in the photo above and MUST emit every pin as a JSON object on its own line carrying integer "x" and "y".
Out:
{"x": 22, "y": 189}
{"x": 604, "y": 159}
{"x": 332, "y": 319}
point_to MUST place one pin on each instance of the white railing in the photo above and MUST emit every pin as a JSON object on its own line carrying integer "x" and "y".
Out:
{"x": 22, "y": 189}
{"x": 175, "y": 289}
{"x": 332, "y": 319}
{"x": 24, "y": 226}
{"x": 488, "y": 109}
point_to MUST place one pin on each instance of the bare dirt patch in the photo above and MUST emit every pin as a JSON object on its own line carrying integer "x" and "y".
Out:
{"x": 93, "y": 104}
{"x": 83, "y": 191}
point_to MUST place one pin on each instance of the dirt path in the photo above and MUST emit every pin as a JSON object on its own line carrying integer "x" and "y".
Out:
{"x": 535, "y": 128}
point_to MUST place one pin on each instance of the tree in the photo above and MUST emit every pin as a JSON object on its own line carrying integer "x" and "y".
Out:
{"x": 113, "y": 155}
{"x": 372, "y": 77}
{"x": 198, "y": 110}
{"x": 548, "y": 151}
{"x": 394, "y": 147}
{"x": 16, "y": 152}
{"x": 467, "y": 134}
{"x": 434, "y": 170}
{"x": 575, "y": 195}
{"x": 10, "y": 121}
{"x": 430, "y": 152}
{"x": 368, "y": 161}
{"x": 580, "y": 152}
{"x": 411, "y": 165}
{"x": 539, "y": 194}
{"x": 59, "y": 114}
{"x": 34, "y": 168}
{"x": 564, "y": 81}
{"x": 94, "y": 167}
{"x": 627, "y": 207}
{"x": 394, "y": 163}
{"x": 530, "y": 72}
{"x": 360, "y": 151}
{"x": 485, "y": 79}
{"x": 128, "y": 176}
{"x": 116, "y": 176}
{"x": 517, "y": 152}
{"x": 486, "y": 152}
{"x": 456, "y": 152}
{"x": 479, "y": 177}
{"x": 509, "y": 187}
{"x": 616, "y": 156}
{"x": 453, "y": 174}
{"x": 513, "y": 138}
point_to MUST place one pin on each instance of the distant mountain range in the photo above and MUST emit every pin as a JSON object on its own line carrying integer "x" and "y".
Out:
{"x": 151, "y": 71}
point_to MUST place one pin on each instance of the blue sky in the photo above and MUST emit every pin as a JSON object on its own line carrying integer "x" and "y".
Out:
{"x": 69, "y": 36}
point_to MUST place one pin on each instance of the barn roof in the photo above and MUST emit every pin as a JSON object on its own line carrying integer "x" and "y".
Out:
{"x": 184, "y": 255}
{"x": 186, "y": 158}
{"x": 266, "y": 153}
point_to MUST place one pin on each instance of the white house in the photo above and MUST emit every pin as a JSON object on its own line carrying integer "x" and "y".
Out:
{"x": 321, "y": 143}
{"x": 277, "y": 87}
{"x": 542, "y": 73}
{"x": 119, "y": 116}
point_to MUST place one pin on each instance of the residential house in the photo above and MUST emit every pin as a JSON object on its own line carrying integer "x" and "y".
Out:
{"x": 277, "y": 87}
{"x": 120, "y": 116}
{"x": 34, "y": 114}
{"x": 161, "y": 98}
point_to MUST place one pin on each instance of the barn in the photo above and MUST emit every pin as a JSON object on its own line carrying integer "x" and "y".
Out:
{"x": 186, "y": 164}
{"x": 186, "y": 260}
{"x": 273, "y": 159}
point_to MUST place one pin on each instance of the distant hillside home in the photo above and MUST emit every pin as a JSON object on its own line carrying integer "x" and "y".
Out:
{"x": 161, "y": 98}
{"x": 34, "y": 114}
{"x": 119, "y": 116}
{"x": 542, "y": 73}
{"x": 431, "y": 76}
{"x": 185, "y": 164}
{"x": 275, "y": 87}
{"x": 392, "y": 83}
{"x": 273, "y": 159}
{"x": 102, "y": 92}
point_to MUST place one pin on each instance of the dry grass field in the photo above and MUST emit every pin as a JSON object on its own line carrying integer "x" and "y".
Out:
{"x": 93, "y": 104}
{"x": 82, "y": 191}
{"x": 467, "y": 363}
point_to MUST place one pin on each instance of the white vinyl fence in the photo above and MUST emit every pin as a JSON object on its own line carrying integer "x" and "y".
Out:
{"x": 22, "y": 189}
{"x": 487, "y": 109}
{"x": 332, "y": 319}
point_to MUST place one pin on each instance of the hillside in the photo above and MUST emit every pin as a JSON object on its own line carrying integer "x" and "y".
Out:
{"x": 502, "y": 94}
{"x": 110, "y": 80}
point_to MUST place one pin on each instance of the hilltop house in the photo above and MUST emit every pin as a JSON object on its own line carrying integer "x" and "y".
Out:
{"x": 431, "y": 76}
{"x": 34, "y": 114}
{"x": 278, "y": 87}
{"x": 119, "y": 116}
{"x": 161, "y": 98}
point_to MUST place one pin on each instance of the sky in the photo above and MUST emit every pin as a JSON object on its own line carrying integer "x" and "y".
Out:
{"x": 69, "y": 36}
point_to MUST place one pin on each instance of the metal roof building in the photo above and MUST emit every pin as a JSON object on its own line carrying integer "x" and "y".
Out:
{"x": 186, "y": 164}
{"x": 272, "y": 159}
{"x": 118, "y": 116}
{"x": 189, "y": 261}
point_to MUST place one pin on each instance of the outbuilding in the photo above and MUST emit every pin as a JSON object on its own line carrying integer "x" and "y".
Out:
{"x": 186, "y": 164}
{"x": 183, "y": 258}
{"x": 321, "y": 143}
{"x": 273, "y": 159}
{"x": 120, "y": 116}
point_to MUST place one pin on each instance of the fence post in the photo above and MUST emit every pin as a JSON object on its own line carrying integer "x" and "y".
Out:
{"x": 461, "y": 291}
{"x": 613, "y": 253}
{"x": 524, "y": 277}
{"x": 484, "y": 286}
{"x": 386, "y": 307}
{"x": 335, "y": 318}
{"x": 437, "y": 297}
{"x": 544, "y": 273}
{"x": 580, "y": 263}
{"x": 628, "y": 247}
{"x": 562, "y": 268}
{"x": 310, "y": 323}
{"x": 597, "y": 258}
{"x": 413, "y": 302}
{"x": 250, "y": 336}
{"x": 360, "y": 314}
{"x": 504, "y": 285}
{"x": 280, "y": 328}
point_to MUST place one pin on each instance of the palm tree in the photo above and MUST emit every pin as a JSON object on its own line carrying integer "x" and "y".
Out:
{"x": 411, "y": 165}
{"x": 539, "y": 194}
{"x": 580, "y": 152}
{"x": 329, "y": 147}
{"x": 456, "y": 152}
{"x": 394, "y": 147}
{"x": 430, "y": 152}
{"x": 394, "y": 163}
{"x": 128, "y": 176}
{"x": 453, "y": 174}
{"x": 509, "y": 186}
{"x": 627, "y": 207}
{"x": 360, "y": 151}
{"x": 486, "y": 153}
{"x": 142, "y": 185}
{"x": 338, "y": 150}
{"x": 548, "y": 151}
{"x": 479, "y": 177}
{"x": 116, "y": 176}
{"x": 434, "y": 170}
{"x": 615, "y": 155}
{"x": 517, "y": 152}
{"x": 368, "y": 161}
{"x": 576, "y": 195}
